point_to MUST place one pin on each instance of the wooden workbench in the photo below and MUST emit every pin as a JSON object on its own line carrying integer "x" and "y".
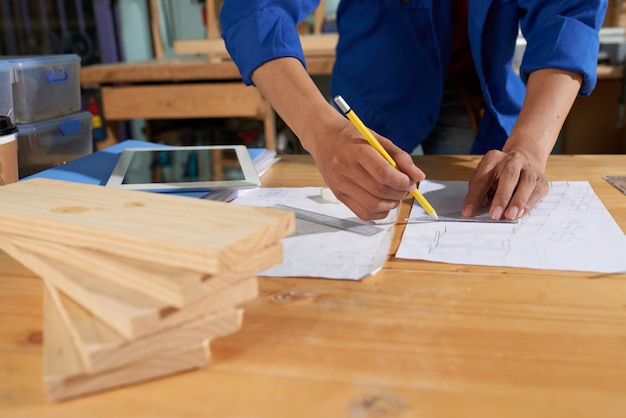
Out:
{"x": 418, "y": 339}
{"x": 200, "y": 87}
{"x": 182, "y": 88}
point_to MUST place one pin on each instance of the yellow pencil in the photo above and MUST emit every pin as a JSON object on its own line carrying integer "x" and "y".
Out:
{"x": 345, "y": 108}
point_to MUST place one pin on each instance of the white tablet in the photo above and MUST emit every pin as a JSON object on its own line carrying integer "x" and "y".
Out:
{"x": 185, "y": 168}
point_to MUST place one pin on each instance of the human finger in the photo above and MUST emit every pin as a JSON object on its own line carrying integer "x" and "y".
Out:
{"x": 530, "y": 189}
{"x": 508, "y": 176}
{"x": 362, "y": 202}
{"x": 354, "y": 185}
{"x": 479, "y": 184}
{"x": 404, "y": 161}
{"x": 385, "y": 181}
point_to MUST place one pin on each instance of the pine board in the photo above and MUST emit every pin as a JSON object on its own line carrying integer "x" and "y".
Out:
{"x": 128, "y": 312}
{"x": 202, "y": 235}
{"x": 171, "y": 286}
{"x": 100, "y": 348}
{"x": 65, "y": 376}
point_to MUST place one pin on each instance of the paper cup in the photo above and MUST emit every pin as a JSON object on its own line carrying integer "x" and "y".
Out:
{"x": 9, "y": 172}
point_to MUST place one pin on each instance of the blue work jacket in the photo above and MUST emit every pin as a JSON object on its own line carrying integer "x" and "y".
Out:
{"x": 393, "y": 55}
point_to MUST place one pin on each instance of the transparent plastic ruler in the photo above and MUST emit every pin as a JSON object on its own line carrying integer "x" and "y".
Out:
{"x": 618, "y": 181}
{"x": 485, "y": 219}
{"x": 337, "y": 223}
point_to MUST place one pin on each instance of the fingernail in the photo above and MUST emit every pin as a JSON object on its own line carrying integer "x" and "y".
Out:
{"x": 496, "y": 213}
{"x": 468, "y": 211}
{"x": 521, "y": 213}
{"x": 513, "y": 212}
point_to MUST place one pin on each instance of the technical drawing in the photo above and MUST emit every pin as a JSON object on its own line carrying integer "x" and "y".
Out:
{"x": 557, "y": 234}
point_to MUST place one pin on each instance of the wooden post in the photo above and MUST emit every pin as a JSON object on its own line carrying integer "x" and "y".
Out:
{"x": 213, "y": 25}
{"x": 155, "y": 23}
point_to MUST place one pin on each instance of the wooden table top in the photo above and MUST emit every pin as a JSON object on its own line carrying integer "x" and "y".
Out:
{"x": 418, "y": 339}
{"x": 184, "y": 68}
{"x": 203, "y": 68}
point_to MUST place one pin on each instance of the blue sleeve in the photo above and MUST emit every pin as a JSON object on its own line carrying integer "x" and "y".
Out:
{"x": 564, "y": 35}
{"x": 257, "y": 31}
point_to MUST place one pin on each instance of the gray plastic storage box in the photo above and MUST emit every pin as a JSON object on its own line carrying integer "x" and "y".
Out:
{"x": 45, "y": 87}
{"x": 53, "y": 142}
{"x": 6, "y": 90}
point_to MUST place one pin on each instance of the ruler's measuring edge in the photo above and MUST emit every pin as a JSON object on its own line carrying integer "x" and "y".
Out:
{"x": 331, "y": 221}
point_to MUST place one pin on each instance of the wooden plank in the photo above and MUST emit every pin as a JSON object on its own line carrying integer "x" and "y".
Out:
{"x": 166, "y": 286}
{"x": 195, "y": 68}
{"x": 212, "y": 22}
{"x": 155, "y": 27}
{"x": 315, "y": 45}
{"x": 180, "y": 69}
{"x": 224, "y": 99}
{"x": 321, "y": 45}
{"x": 171, "y": 286}
{"x": 129, "y": 313}
{"x": 319, "y": 15}
{"x": 100, "y": 348}
{"x": 61, "y": 358}
{"x": 214, "y": 48}
{"x": 192, "y": 234}
{"x": 64, "y": 375}
{"x": 176, "y": 101}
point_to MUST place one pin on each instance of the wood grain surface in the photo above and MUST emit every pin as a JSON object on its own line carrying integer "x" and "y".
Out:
{"x": 418, "y": 339}
{"x": 102, "y": 349}
{"x": 65, "y": 376}
{"x": 194, "y": 234}
{"x": 168, "y": 286}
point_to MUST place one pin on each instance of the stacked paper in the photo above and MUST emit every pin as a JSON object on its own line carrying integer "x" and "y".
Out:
{"x": 136, "y": 284}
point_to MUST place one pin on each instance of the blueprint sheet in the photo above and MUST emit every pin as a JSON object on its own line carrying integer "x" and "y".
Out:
{"x": 317, "y": 250}
{"x": 569, "y": 229}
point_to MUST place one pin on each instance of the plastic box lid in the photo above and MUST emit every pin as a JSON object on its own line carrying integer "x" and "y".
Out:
{"x": 44, "y": 87}
{"x": 35, "y": 61}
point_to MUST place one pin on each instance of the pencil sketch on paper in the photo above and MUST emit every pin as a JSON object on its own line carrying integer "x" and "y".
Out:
{"x": 452, "y": 240}
{"x": 557, "y": 234}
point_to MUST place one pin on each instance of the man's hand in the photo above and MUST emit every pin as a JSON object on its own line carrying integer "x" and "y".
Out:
{"x": 514, "y": 178}
{"x": 512, "y": 181}
{"x": 360, "y": 177}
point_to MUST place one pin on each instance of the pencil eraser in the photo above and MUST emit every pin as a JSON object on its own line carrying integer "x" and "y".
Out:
{"x": 328, "y": 195}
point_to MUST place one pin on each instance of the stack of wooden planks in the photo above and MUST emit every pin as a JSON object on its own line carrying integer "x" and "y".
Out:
{"x": 136, "y": 284}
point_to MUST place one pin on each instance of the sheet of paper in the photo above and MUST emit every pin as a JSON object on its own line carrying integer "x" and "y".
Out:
{"x": 316, "y": 250}
{"x": 570, "y": 229}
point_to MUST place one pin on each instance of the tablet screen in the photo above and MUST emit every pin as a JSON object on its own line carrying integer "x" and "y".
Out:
{"x": 184, "y": 168}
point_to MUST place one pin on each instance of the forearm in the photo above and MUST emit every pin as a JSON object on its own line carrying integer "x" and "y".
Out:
{"x": 353, "y": 169}
{"x": 286, "y": 85}
{"x": 514, "y": 178}
{"x": 550, "y": 94}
